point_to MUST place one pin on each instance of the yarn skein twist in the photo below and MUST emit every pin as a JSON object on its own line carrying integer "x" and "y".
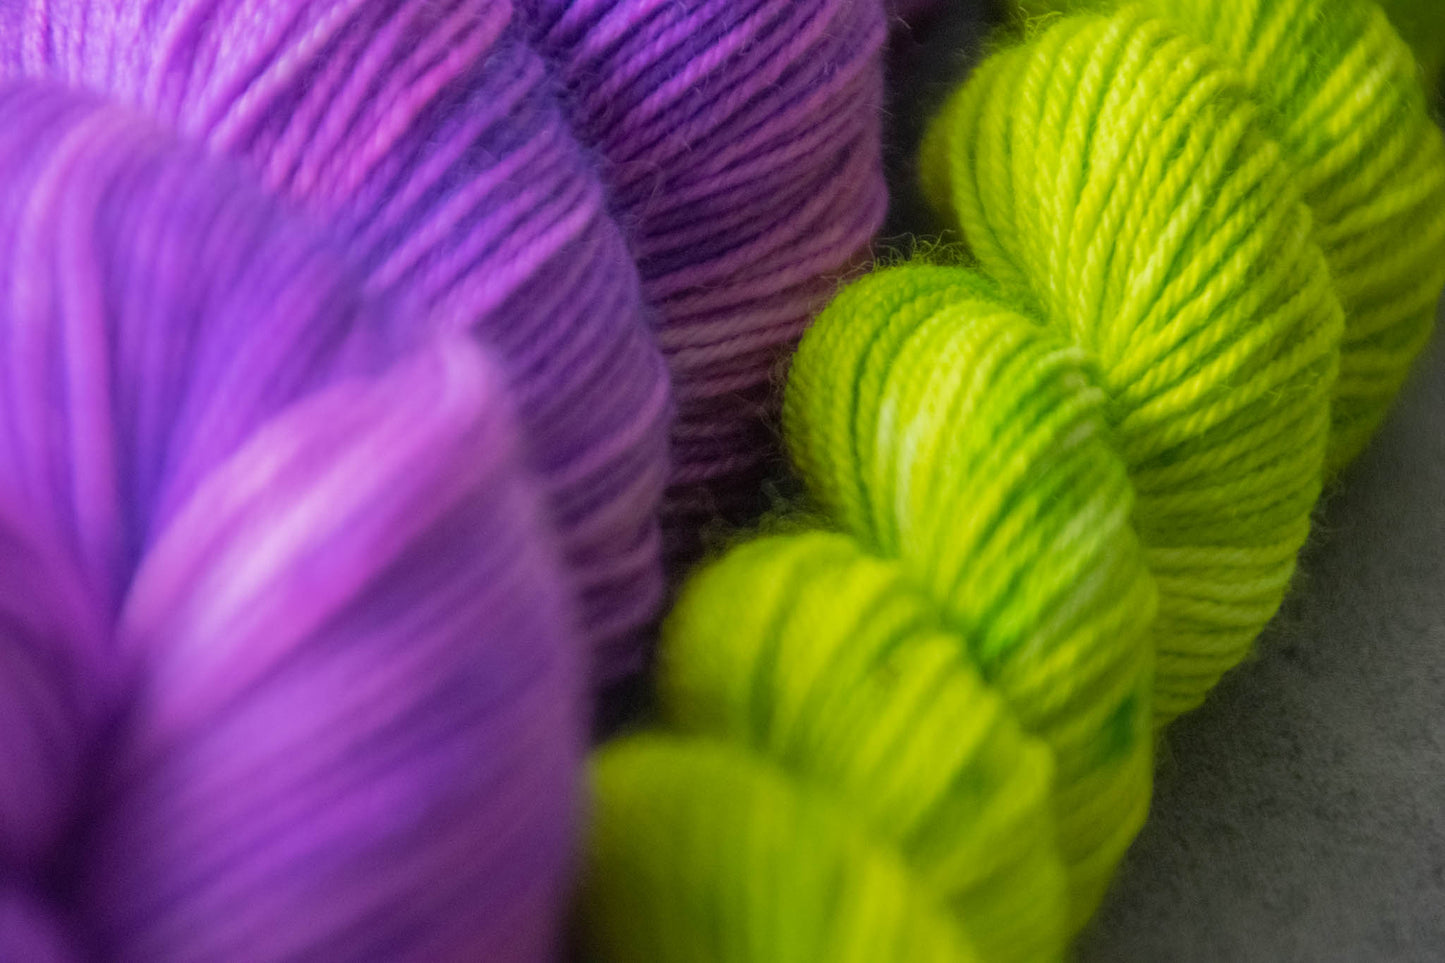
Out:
{"x": 287, "y": 667}
{"x": 1063, "y": 493}
{"x": 596, "y": 189}
{"x": 1418, "y": 21}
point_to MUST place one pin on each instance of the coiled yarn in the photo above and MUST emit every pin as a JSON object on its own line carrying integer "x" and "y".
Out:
{"x": 288, "y": 669}
{"x": 300, "y": 300}
{"x": 598, "y": 190}
{"x": 1062, "y": 493}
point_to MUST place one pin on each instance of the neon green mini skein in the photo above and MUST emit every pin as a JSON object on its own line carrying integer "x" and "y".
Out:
{"x": 1064, "y": 493}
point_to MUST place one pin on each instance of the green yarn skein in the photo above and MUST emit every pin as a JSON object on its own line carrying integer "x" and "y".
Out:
{"x": 1064, "y": 493}
{"x": 1420, "y": 22}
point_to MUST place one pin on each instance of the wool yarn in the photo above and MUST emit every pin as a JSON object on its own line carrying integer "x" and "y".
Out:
{"x": 597, "y": 189}
{"x": 288, "y": 670}
{"x": 1422, "y": 23}
{"x": 740, "y": 142}
{"x": 1059, "y": 493}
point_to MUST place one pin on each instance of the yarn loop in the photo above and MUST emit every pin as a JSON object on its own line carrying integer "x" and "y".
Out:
{"x": 1068, "y": 487}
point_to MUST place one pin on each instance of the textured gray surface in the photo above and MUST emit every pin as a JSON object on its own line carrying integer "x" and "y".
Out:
{"x": 1300, "y": 814}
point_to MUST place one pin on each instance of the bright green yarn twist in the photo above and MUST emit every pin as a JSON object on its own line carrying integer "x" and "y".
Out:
{"x": 1068, "y": 493}
{"x": 1422, "y": 22}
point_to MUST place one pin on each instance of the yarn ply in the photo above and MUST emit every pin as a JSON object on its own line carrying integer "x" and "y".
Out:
{"x": 584, "y": 186}
{"x": 1062, "y": 493}
{"x": 299, "y": 302}
{"x": 288, "y": 669}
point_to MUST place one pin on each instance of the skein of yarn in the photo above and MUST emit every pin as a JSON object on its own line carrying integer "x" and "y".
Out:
{"x": 288, "y": 668}
{"x": 585, "y": 186}
{"x": 301, "y": 299}
{"x": 1061, "y": 494}
{"x": 741, "y": 143}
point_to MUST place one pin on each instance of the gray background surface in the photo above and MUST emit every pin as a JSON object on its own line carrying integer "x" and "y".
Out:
{"x": 1300, "y": 814}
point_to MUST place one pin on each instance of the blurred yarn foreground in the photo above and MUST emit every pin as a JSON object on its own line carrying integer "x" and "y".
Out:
{"x": 347, "y": 350}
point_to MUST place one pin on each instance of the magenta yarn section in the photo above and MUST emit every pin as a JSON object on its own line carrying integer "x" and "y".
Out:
{"x": 586, "y": 185}
{"x": 428, "y": 135}
{"x": 288, "y": 668}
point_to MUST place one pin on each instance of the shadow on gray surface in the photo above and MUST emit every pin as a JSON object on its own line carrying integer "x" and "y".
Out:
{"x": 1300, "y": 813}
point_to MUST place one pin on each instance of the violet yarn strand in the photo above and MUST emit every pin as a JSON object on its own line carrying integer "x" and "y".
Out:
{"x": 286, "y": 666}
{"x": 427, "y": 134}
{"x": 742, "y": 143}
{"x": 587, "y": 186}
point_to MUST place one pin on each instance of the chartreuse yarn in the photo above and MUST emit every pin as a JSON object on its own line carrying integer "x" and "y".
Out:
{"x": 1420, "y": 22}
{"x": 1060, "y": 494}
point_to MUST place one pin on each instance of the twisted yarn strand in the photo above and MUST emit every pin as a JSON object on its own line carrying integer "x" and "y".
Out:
{"x": 1063, "y": 493}
{"x": 636, "y": 205}
{"x": 287, "y": 666}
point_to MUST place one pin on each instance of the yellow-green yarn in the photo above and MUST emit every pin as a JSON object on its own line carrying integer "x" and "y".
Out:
{"x": 794, "y": 881}
{"x": 1066, "y": 492}
{"x": 837, "y": 674}
{"x": 1340, "y": 92}
{"x": 1422, "y": 22}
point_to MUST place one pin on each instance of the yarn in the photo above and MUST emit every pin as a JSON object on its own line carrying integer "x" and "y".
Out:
{"x": 1422, "y": 24}
{"x": 741, "y": 145}
{"x": 1418, "y": 21}
{"x": 289, "y": 670}
{"x": 586, "y": 186}
{"x": 1065, "y": 489}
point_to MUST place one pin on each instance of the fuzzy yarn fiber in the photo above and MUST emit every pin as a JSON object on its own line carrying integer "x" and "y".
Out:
{"x": 599, "y": 190}
{"x": 287, "y": 667}
{"x": 1059, "y": 494}
{"x": 348, "y": 347}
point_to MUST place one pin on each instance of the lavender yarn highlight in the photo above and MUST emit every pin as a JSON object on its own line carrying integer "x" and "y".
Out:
{"x": 288, "y": 667}
{"x": 348, "y": 349}
{"x": 600, "y": 190}
{"x": 428, "y": 136}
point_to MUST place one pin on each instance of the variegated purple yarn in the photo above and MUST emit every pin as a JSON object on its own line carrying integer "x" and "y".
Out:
{"x": 286, "y": 659}
{"x": 740, "y": 141}
{"x": 600, "y": 190}
{"x": 338, "y": 345}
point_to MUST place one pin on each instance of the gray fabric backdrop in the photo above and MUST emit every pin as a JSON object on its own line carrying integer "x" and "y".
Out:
{"x": 1300, "y": 814}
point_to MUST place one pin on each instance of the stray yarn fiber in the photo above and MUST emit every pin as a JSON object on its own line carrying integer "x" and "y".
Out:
{"x": 1061, "y": 493}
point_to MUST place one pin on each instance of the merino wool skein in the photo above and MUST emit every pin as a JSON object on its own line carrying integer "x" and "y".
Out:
{"x": 1055, "y": 495}
{"x": 596, "y": 189}
{"x": 288, "y": 666}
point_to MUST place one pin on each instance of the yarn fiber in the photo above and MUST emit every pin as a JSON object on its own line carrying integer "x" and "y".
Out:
{"x": 1420, "y": 22}
{"x": 584, "y": 186}
{"x": 1059, "y": 494}
{"x": 288, "y": 667}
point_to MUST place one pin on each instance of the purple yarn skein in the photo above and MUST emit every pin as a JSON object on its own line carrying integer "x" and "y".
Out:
{"x": 287, "y": 669}
{"x": 299, "y": 302}
{"x": 587, "y": 185}
{"x": 741, "y": 142}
